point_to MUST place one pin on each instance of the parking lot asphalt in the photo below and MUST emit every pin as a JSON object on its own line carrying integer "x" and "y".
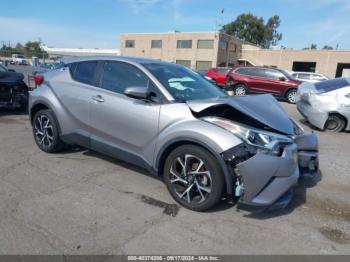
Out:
{"x": 81, "y": 202}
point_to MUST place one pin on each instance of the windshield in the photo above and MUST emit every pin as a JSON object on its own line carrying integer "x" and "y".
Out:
{"x": 288, "y": 75}
{"x": 182, "y": 83}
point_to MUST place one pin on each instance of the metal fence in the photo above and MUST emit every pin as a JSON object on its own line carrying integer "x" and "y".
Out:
{"x": 6, "y": 57}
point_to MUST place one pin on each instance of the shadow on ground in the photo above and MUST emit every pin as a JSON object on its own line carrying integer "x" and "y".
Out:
{"x": 16, "y": 112}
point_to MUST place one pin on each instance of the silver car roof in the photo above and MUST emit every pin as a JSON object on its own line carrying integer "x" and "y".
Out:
{"x": 131, "y": 59}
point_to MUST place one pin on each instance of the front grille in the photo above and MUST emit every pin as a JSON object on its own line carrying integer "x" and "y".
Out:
{"x": 5, "y": 93}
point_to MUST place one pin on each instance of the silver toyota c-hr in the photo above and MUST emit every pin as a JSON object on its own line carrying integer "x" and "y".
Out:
{"x": 171, "y": 121}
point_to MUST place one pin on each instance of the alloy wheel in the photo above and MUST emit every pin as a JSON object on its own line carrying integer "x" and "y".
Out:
{"x": 43, "y": 131}
{"x": 292, "y": 97}
{"x": 240, "y": 91}
{"x": 190, "y": 179}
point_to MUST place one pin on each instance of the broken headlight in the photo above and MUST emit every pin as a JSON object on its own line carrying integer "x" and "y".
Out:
{"x": 298, "y": 129}
{"x": 265, "y": 142}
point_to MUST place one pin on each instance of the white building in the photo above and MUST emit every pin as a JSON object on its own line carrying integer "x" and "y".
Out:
{"x": 54, "y": 51}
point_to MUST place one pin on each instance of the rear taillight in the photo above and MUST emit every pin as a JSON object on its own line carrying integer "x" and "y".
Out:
{"x": 38, "y": 79}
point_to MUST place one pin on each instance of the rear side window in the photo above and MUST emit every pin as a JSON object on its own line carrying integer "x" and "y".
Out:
{"x": 223, "y": 71}
{"x": 84, "y": 72}
{"x": 331, "y": 85}
{"x": 304, "y": 76}
{"x": 119, "y": 76}
{"x": 257, "y": 72}
{"x": 243, "y": 71}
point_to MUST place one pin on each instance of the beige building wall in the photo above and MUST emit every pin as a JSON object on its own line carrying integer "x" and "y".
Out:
{"x": 169, "y": 51}
{"x": 326, "y": 60}
{"x": 227, "y": 51}
{"x": 230, "y": 55}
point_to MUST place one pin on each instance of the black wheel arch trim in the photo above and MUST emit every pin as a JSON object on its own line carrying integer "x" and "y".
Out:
{"x": 187, "y": 140}
{"x": 339, "y": 114}
{"x": 31, "y": 115}
{"x": 289, "y": 89}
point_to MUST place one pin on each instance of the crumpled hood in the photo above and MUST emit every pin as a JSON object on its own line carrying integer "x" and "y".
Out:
{"x": 10, "y": 77}
{"x": 263, "y": 108}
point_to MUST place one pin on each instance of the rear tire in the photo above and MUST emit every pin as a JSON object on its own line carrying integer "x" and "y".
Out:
{"x": 240, "y": 90}
{"x": 46, "y": 132}
{"x": 291, "y": 96}
{"x": 335, "y": 123}
{"x": 194, "y": 170}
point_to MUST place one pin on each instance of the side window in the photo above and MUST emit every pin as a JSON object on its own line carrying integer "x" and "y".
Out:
{"x": 72, "y": 68}
{"x": 318, "y": 77}
{"x": 258, "y": 72}
{"x": 304, "y": 76}
{"x": 84, "y": 72}
{"x": 243, "y": 71}
{"x": 119, "y": 76}
{"x": 273, "y": 74}
{"x": 223, "y": 71}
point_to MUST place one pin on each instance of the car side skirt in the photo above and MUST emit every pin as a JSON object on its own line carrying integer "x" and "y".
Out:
{"x": 82, "y": 138}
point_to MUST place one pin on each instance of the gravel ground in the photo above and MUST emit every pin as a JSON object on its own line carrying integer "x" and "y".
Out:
{"x": 81, "y": 202}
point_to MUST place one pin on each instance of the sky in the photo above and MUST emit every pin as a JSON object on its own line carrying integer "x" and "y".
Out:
{"x": 98, "y": 23}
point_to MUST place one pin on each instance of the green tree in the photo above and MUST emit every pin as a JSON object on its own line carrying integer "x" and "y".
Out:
{"x": 253, "y": 29}
{"x": 312, "y": 47}
{"x": 33, "y": 48}
{"x": 272, "y": 36}
{"x": 19, "y": 48}
{"x": 327, "y": 47}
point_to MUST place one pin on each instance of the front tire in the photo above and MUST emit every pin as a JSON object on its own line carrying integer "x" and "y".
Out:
{"x": 194, "y": 178}
{"x": 240, "y": 90}
{"x": 335, "y": 123}
{"x": 46, "y": 131}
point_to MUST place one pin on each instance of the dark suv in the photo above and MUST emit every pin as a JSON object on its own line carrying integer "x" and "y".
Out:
{"x": 243, "y": 80}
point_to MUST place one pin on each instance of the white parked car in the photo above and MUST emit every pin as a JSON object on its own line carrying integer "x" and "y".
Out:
{"x": 326, "y": 105}
{"x": 18, "y": 59}
{"x": 309, "y": 77}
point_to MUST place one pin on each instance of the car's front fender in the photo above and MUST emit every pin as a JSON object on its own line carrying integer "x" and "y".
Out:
{"x": 214, "y": 139}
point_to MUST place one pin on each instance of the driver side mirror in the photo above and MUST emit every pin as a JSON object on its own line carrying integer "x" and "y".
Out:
{"x": 137, "y": 92}
{"x": 282, "y": 78}
{"x": 11, "y": 70}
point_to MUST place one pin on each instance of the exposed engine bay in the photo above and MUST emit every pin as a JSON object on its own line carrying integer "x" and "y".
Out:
{"x": 13, "y": 90}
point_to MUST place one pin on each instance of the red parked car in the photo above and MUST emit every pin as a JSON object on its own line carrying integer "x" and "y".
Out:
{"x": 243, "y": 80}
{"x": 218, "y": 75}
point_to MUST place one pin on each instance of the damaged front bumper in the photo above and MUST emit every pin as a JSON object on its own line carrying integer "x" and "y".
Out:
{"x": 13, "y": 96}
{"x": 268, "y": 180}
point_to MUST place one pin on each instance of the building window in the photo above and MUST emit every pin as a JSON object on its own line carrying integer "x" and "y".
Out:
{"x": 186, "y": 63}
{"x": 205, "y": 44}
{"x": 343, "y": 70}
{"x": 184, "y": 43}
{"x": 304, "y": 66}
{"x": 156, "y": 44}
{"x": 203, "y": 65}
{"x": 233, "y": 47}
{"x": 223, "y": 45}
{"x": 130, "y": 43}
